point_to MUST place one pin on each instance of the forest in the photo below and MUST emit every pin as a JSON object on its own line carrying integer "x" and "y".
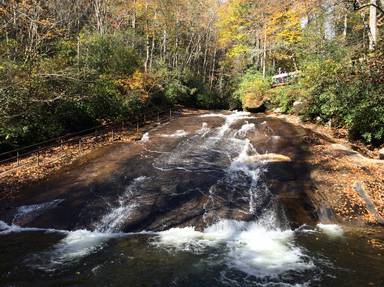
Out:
{"x": 192, "y": 143}
{"x": 69, "y": 65}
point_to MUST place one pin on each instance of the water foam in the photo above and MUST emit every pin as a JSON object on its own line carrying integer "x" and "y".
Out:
{"x": 78, "y": 244}
{"x": 114, "y": 219}
{"x": 251, "y": 247}
{"x": 230, "y": 120}
{"x": 258, "y": 192}
{"x": 145, "y": 138}
{"x": 4, "y": 226}
{"x": 204, "y": 130}
{"x": 13, "y": 228}
{"x": 34, "y": 210}
{"x": 74, "y": 246}
{"x": 245, "y": 129}
{"x": 332, "y": 230}
{"x": 177, "y": 134}
{"x": 213, "y": 115}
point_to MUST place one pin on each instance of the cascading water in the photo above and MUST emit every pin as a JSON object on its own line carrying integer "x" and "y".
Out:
{"x": 259, "y": 248}
{"x": 114, "y": 218}
{"x": 201, "y": 209}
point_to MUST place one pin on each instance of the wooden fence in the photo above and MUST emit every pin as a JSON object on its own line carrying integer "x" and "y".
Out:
{"x": 11, "y": 160}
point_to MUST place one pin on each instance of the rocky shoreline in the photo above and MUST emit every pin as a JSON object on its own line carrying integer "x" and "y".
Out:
{"x": 348, "y": 178}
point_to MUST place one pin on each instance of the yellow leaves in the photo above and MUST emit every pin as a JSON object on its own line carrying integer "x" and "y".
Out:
{"x": 285, "y": 27}
{"x": 138, "y": 83}
{"x": 237, "y": 50}
{"x": 241, "y": 22}
{"x": 230, "y": 21}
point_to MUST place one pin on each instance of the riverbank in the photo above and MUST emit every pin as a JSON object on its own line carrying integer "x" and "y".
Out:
{"x": 37, "y": 167}
{"x": 348, "y": 177}
{"x": 339, "y": 135}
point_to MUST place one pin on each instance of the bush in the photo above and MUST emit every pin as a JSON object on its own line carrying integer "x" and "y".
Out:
{"x": 252, "y": 88}
{"x": 348, "y": 93}
{"x": 109, "y": 54}
{"x": 53, "y": 95}
{"x": 283, "y": 97}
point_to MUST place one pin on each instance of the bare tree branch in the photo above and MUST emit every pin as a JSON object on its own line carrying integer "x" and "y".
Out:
{"x": 358, "y": 7}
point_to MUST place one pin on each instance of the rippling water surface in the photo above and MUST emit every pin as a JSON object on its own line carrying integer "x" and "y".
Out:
{"x": 201, "y": 213}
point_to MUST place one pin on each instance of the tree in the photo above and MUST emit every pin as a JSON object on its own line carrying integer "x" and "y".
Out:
{"x": 373, "y": 24}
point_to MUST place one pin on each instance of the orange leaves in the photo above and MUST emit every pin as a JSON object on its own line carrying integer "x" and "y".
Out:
{"x": 139, "y": 82}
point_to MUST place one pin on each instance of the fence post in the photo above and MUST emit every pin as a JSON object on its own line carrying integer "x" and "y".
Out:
{"x": 61, "y": 144}
{"x": 37, "y": 160}
{"x": 158, "y": 116}
{"x": 170, "y": 113}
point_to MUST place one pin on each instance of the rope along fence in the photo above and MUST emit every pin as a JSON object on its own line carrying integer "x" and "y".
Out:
{"x": 12, "y": 161}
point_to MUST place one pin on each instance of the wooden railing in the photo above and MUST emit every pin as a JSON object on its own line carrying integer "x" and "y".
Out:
{"x": 284, "y": 78}
{"x": 11, "y": 160}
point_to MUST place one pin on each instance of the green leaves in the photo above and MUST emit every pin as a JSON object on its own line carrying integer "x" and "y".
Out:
{"x": 109, "y": 54}
{"x": 349, "y": 93}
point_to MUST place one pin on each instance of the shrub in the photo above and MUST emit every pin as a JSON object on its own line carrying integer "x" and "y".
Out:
{"x": 349, "y": 94}
{"x": 252, "y": 88}
{"x": 109, "y": 54}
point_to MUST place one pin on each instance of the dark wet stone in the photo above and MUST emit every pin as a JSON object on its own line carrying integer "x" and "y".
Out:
{"x": 186, "y": 180}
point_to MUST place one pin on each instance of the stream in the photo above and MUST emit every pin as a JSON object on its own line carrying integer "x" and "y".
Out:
{"x": 201, "y": 201}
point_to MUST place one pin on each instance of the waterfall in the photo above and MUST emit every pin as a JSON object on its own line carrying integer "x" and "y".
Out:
{"x": 115, "y": 217}
{"x": 260, "y": 245}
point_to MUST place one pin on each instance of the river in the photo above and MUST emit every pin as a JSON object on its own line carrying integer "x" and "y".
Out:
{"x": 196, "y": 202}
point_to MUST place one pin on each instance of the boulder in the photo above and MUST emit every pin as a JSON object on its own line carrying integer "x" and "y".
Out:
{"x": 253, "y": 103}
{"x": 381, "y": 153}
{"x": 298, "y": 107}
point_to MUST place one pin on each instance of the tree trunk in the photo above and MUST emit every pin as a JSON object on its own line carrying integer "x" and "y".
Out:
{"x": 205, "y": 57}
{"x": 152, "y": 51}
{"x": 147, "y": 53}
{"x": 213, "y": 69}
{"x": 373, "y": 25}
{"x": 164, "y": 45}
{"x": 175, "y": 62}
{"x": 345, "y": 26}
{"x": 134, "y": 16}
{"x": 257, "y": 61}
{"x": 265, "y": 55}
{"x": 99, "y": 16}
{"x": 78, "y": 54}
{"x": 147, "y": 44}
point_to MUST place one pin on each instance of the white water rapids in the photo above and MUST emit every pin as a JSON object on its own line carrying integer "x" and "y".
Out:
{"x": 253, "y": 247}
{"x": 264, "y": 248}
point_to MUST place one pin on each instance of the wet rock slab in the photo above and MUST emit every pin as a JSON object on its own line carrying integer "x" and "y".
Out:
{"x": 193, "y": 175}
